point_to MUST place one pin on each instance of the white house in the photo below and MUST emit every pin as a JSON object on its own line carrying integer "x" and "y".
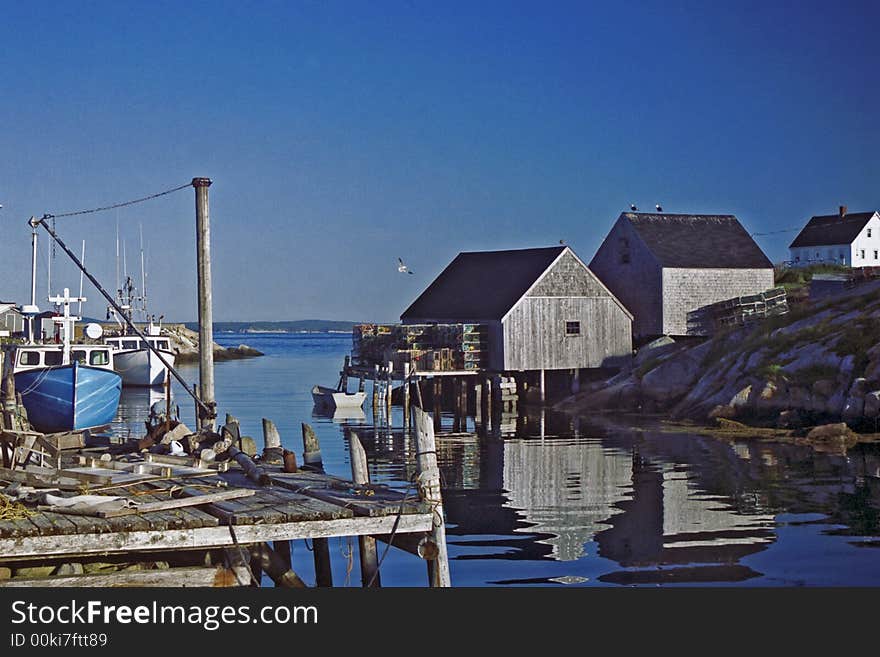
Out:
{"x": 846, "y": 239}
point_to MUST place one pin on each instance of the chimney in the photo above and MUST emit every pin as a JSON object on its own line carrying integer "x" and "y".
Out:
{"x": 842, "y": 211}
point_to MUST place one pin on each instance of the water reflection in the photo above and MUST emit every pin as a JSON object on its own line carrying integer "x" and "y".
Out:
{"x": 547, "y": 500}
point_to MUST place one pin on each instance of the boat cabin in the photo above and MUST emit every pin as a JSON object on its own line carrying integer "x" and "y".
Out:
{"x": 133, "y": 343}
{"x": 31, "y": 357}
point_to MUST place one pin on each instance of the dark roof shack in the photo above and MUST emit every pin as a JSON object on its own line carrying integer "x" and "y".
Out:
{"x": 482, "y": 285}
{"x": 698, "y": 241}
{"x": 831, "y": 229}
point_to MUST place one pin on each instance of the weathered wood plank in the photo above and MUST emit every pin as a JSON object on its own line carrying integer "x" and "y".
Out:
{"x": 169, "y": 577}
{"x": 158, "y": 504}
{"x": 203, "y": 537}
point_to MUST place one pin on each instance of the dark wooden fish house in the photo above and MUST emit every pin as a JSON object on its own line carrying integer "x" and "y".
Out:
{"x": 539, "y": 309}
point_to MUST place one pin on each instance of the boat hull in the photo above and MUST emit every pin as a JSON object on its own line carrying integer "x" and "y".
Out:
{"x": 69, "y": 397}
{"x": 330, "y": 398}
{"x": 141, "y": 367}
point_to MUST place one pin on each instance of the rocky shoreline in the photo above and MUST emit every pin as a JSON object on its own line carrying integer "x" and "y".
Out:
{"x": 817, "y": 365}
{"x": 185, "y": 342}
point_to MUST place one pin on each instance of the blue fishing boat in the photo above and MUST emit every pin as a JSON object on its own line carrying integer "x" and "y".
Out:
{"x": 68, "y": 397}
{"x": 66, "y": 386}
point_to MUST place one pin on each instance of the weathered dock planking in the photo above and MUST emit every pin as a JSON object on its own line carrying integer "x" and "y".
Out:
{"x": 217, "y": 510}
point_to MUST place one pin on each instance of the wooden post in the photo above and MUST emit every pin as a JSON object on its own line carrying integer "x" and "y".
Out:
{"x": 543, "y": 390}
{"x": 343, "y": 377}
{"x": 311, "y": 449}
{"x": 168, "y": 401}
{"x": 8, "y": 383}
{"x": 456, "y": 404}
{"x": 429, "y": 486}
{"x": 206, "y": 313}
{"x": 438, "y": 400}
{"x": 265, "y": 558}
{"x": 272, "y": 451}
{"x": 405, "y": 396}
{"x": 320, "y": 546}
{"x": 375, "y": 393}
{"x": 282, "y": 549}
{"x": 198, "y": 395}
{"x": 360, "y": 474}
{"x": 360, "y": 384}
{"x": 388, "y": 387}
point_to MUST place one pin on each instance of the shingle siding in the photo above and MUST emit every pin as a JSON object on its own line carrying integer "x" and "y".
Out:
{"x": 685, "y": 290}
{"x": 635, "y": 279}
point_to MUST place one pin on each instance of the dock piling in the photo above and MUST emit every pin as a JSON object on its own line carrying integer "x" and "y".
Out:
{"x": 360, "y": 474}
{"x": 429, "y": 490}
{"x": 320, "y": 546}
{"x": 206, "y": 317}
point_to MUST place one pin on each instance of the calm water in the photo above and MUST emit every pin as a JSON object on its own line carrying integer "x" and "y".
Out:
{"x": 574, "y": 503}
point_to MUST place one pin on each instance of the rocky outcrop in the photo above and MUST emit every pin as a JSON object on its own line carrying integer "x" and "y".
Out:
{"x": 820, "y": 364}
{"x": 185, "y": 342}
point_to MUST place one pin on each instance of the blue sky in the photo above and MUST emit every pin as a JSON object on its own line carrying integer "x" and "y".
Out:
{"x": 341, "y": 135}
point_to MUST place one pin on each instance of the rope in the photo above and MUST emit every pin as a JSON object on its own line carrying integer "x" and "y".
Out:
{"x": 120, "y": 205}
{"x": 12, "y": 510}
{"x": 243, "y": 554}
{"x": 391, "y": 535}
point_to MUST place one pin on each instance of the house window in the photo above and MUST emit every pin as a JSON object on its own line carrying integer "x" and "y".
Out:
{"x": 797, "y": 258}
{"x": 875, "y": 254}
{"x": 841, "y": 257}
{"x": 869, "y": 232}
{"x": 572, "y": 328}
{"x": 862, "y": 254}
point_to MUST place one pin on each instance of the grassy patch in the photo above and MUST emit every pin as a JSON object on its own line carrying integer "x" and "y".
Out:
{"x": 812, "y": 373}
{"x": 856, "y": 339}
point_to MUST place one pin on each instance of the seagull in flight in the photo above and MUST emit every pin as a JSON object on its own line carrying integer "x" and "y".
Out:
{"x": 402, "y": 268}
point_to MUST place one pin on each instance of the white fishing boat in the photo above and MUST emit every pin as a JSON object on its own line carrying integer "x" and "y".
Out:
{"x": 331, "y": 399}
{"x": 134, "y": 359}
{"x": 136, "y": 362}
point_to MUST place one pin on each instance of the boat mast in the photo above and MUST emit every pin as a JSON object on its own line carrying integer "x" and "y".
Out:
{"x": 33, "y": 222}
{"x": 83, "y": 258}
{"x": 143, "y": 275}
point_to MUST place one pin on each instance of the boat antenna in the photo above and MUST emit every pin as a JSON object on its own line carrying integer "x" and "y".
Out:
{"x": 83, "y": 258}
{"x": 117, "y": 251}
{"x": 143, "y": 274}
{"x": 33, "y": 224}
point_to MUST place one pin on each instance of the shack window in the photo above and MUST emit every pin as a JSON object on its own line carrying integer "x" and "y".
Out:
{"x": 30, "y": 358}
{"x": 572, "y": 328}
{"x": 99, "y": 357}
{"x": 53, "y": 358}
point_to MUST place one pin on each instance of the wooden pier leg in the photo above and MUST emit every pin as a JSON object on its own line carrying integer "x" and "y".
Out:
{"x": 405, "y": 396}
{"x": 361, "y": 382}
{"x": 429, "y": 486}
{"x": 438, "y": 400}
{"x": 282, "y": 549}
{"x": 456, "y": 404}
{"x": 375, "y": 394}
{"x": 320, "y": 546}
{"x": 360, "y": 474}
{"x": 463, "y": 401}
{"x": 388, "y": 386}
{"x": 343, "y": 376}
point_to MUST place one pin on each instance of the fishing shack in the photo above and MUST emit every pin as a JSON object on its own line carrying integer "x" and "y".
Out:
{"x": 538, "y": 316}
{"x": 665, "y": 267}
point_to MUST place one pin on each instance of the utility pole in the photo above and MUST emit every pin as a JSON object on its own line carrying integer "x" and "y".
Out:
{"x": 206, "y": 318}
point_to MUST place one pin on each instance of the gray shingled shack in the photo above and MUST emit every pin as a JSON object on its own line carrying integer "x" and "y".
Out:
{"x": 663, "y": 266}
{"x": 543, "y": 307}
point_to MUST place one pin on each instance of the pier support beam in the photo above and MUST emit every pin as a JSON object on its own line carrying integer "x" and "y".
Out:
{"x": 320, "y": 546}
{"x": 206, "y": 315}
{"x": 360, "y": 474}
{"x": 429, "y": 486}
{"x": 406, "y": 396}
{"x": 438, "y": 400}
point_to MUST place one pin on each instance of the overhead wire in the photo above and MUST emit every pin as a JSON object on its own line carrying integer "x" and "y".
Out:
{"x": 122, "y": 204}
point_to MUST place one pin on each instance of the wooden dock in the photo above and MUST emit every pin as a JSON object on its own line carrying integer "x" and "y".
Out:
{"x": 204, "y": 521}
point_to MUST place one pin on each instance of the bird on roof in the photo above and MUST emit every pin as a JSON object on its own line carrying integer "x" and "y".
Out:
{"x": 562, "y": 241}
{"x": 632, "y": 206}
{"x": 659, "y": 209}
{"x": 402, "y": 268}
